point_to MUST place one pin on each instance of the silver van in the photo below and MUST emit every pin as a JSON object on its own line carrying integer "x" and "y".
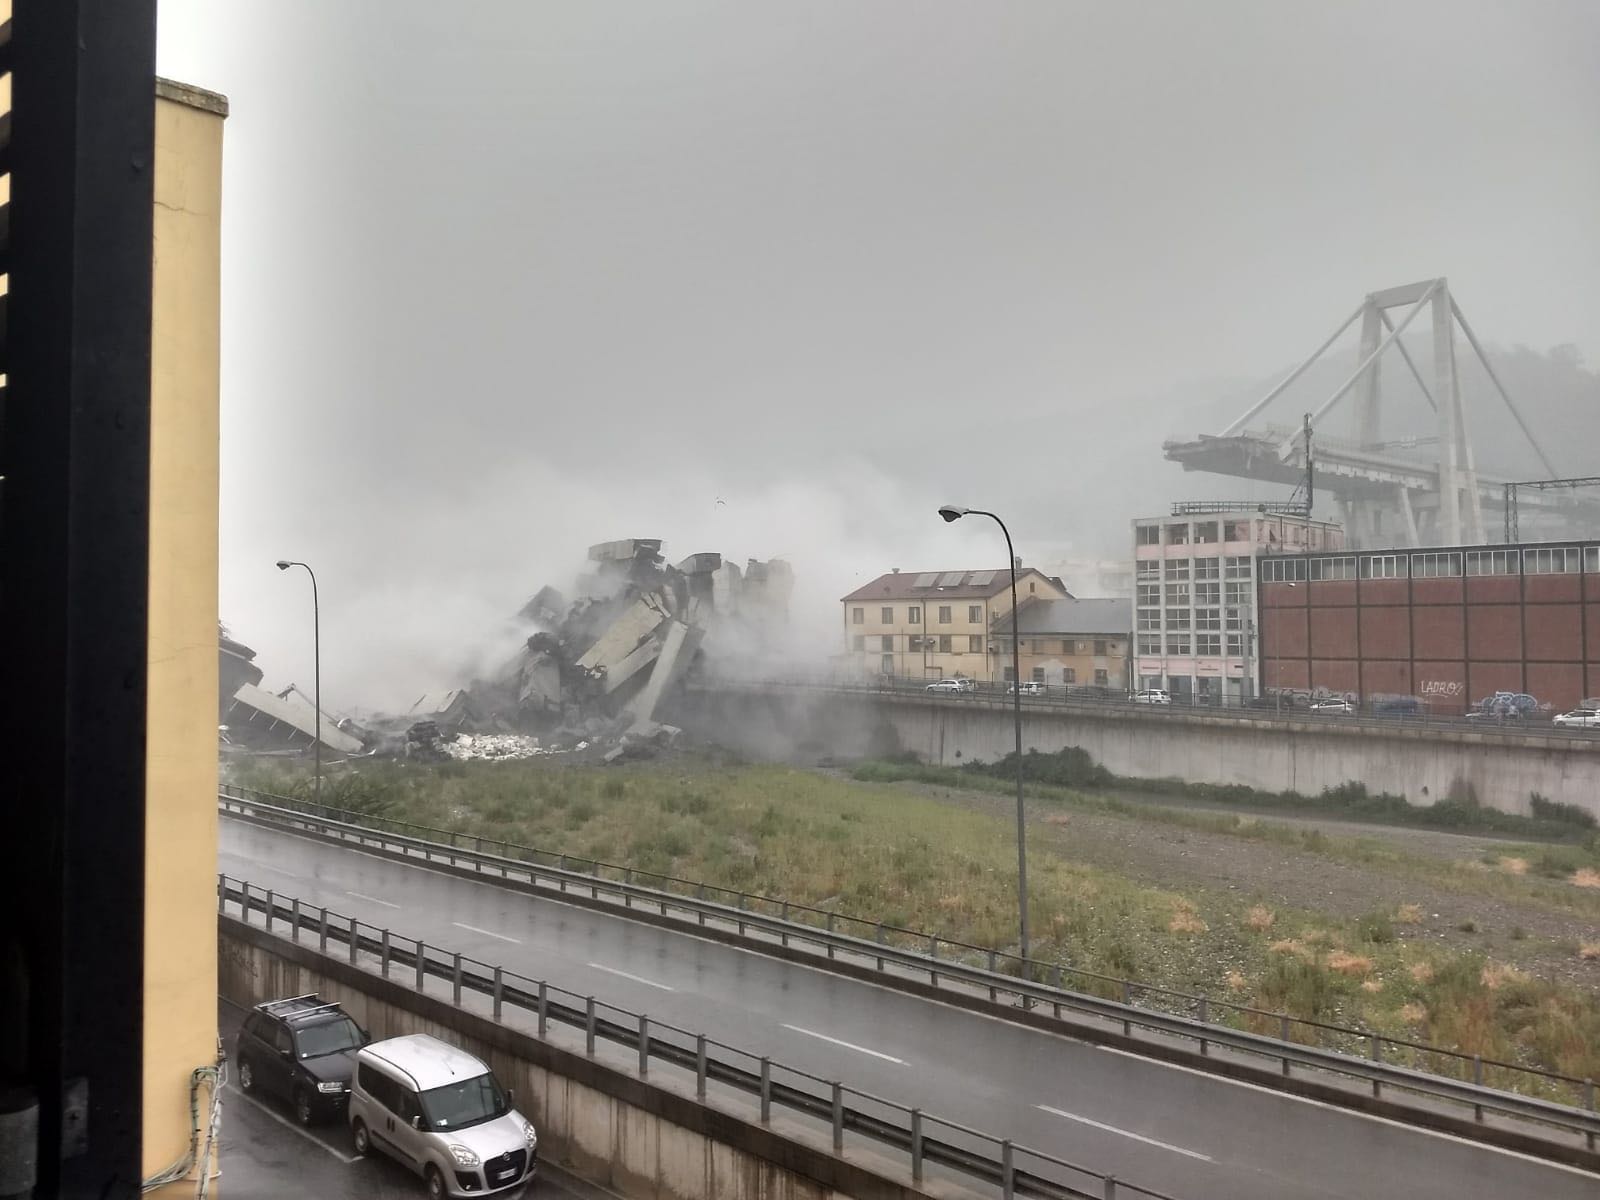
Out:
{"x": 440, "y": 1111}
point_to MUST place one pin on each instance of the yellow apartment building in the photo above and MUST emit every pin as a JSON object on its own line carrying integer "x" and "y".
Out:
{"x": 1076, "y": 643}
{"x": 935, "y": 624}
{"x": 180, "y": 917}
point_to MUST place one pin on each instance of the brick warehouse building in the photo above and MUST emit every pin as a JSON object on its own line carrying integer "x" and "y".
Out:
{"x": 1449, "y": 626}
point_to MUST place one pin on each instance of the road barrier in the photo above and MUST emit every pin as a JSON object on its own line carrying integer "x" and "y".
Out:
{"x": 895, "y": 953}
{"x": 925, "y": 1139}
{"x": 1070, "y": 697}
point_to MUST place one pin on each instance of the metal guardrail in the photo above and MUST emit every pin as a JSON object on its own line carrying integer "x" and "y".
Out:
{"x": 927, "y": 1140}
{"x": 1063, "y": 697}
{"x": 1372, "y": 1059}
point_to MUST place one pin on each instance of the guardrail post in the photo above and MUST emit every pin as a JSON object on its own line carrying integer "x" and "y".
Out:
{"x": 1588, "y": 1103}
{"x": 500, "y": 993}
{"x": 933, "y": 953}
{"x": 991, "y": 971}
{"x": 830, "y": 930}
{"x": 269, "y": 910}
{"x": 385, "y": 954}
{"x": 766, "y": 1090}
{"x": 322, "y": 931}
{"x": 1111, "y": 1187}
{"x": 880, "y": 942}
{"x": 627, "y": 881}
{"x": 916, "y": 1145}
{"x": 644, "y": 1044}
{"x": 1283, "y": 1036}
{"x": 1008, "y": 1174}
{"x": 294, "y": 917}
{"x": 741, "y": 909}
{"x": 1205, "y": 1014}
{"x": 1127, "y": 999}
{"x": 700, "y": 1066}
{"x": 354, "y": 937}
{"x": 505, "y": 866}
{"x": 562, "y": 865}
{"x": 544, "y": 1007}
{"x": 455, "y": 980}
{"x": 222, "y": 893}
{"x": 700, "y": 894}
{"x": 422, "y": 964}
{"x": 1377, "y": 1056}
{"x": 1477, "y": 1078}
{"x": 838, "y": 1116}
{"x": 588, "y": 1026}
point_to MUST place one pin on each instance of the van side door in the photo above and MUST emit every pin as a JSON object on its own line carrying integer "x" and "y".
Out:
{"x": 386, "y": 1125}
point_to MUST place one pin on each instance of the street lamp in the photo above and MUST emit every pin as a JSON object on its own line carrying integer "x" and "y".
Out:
{"x": 316, "y": 651}
{"x": 951, "y": 513}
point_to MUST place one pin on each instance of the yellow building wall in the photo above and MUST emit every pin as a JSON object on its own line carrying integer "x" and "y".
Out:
{"x": 936, "y": 664}
{"x": 180, "y": 919}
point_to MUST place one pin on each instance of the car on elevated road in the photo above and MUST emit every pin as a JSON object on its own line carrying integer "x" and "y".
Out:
{"x": 1332, "y": 706}
{"x": 1578, "y": 718}
{"x": 1152, "y": 696}
{"x": 951, "y": 685}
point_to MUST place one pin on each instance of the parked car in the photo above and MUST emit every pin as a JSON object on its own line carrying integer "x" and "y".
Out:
{"x": 439, "y": 1111}
{"x": 1333, "y": 706}
{"x": 1578, "y": 718}
{"x": 300, "y": 1050}
{"x": 1397, "y": 706}
{"x": 1152, "y": 696}
{"x": 1029, "y": 687}
{"x": 951, "y": 685}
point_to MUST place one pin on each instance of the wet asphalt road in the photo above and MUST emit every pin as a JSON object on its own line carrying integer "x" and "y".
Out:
{"x": 1194, "y": 1136}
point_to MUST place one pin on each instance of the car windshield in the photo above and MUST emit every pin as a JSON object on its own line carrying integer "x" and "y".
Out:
{"x": 467, "y": 1102}
{"x": 327, "y": 1037}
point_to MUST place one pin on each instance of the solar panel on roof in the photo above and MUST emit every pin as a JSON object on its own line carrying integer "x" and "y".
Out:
{"x": 926, "y": 579}
{"x": 951, "y": 579}
{"x": 982, "y": 578}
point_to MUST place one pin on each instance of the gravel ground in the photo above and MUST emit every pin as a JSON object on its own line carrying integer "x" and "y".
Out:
{"x": 1525, "y": 931}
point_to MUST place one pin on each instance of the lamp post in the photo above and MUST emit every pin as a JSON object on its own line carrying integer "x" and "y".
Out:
{"x": 951, "y": 513}
{"x": 316, "y": 652}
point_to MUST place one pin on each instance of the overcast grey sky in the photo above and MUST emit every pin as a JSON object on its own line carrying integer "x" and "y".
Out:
{"x": 504, "y": 279}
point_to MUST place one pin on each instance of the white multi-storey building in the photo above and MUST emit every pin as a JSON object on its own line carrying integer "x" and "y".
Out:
{"x": 1194, "y": 593}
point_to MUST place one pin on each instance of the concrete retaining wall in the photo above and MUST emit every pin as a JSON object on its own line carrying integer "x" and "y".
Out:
{"x": 1301, "y": 754}
{"x": 606, "y": 1125}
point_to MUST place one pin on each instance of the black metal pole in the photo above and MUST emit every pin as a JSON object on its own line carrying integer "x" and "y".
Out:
{"x": 1016, "y": 707}
{"x": 316, "y": 656}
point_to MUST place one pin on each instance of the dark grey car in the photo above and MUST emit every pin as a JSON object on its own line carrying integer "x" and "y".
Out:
{"x": 302, "y": 1051}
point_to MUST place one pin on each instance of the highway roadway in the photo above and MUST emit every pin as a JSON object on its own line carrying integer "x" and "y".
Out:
{"x": 1178, "y": 1131}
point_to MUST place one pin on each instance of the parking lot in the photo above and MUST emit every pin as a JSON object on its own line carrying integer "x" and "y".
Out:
{"x": 266, "y": 1155}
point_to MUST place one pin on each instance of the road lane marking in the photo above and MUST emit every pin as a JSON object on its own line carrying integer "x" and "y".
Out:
{"x": 1138, "y": 1137}
{"x": 847, "y": 1045}
{"x": 1353, "y": 1114}
{"x": 261, "y": 1107}
{"x": 486, "y": 932}
{"x": 635, "y": 978}
{"x": 371, "y": 899}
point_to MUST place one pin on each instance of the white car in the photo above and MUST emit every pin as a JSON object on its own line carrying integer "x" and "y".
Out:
{"x": 1153, "y": 696}
{"x": 1333, "y": 706}
{"x": 1578, "y": 718}
{"x": 1030, "y": 687}
{"x": 950, "y": 685}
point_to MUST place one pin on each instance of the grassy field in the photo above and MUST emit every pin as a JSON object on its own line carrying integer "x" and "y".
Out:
{"x": 885, "y": 852}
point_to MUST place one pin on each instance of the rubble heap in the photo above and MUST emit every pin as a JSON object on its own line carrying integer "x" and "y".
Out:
{"x": 596, "y": 667}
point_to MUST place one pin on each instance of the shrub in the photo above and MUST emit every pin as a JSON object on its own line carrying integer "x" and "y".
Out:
{"x": 1070, "y": 766}
{"x": 1563, "y": 814}
{"x": 1375, "y": 927}
{"x": 613, "y": 789}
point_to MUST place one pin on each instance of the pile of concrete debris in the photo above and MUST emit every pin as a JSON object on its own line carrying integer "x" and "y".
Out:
{"x": 594, "y": 669}
{"x": 589, "y": 678}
